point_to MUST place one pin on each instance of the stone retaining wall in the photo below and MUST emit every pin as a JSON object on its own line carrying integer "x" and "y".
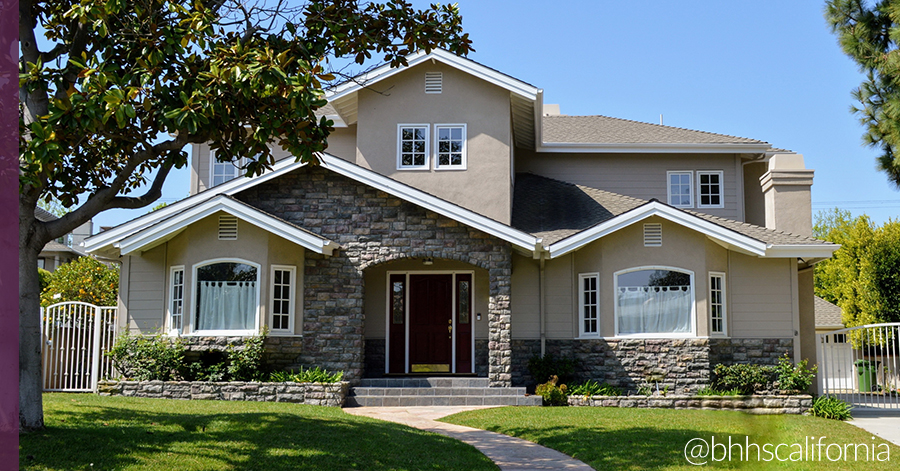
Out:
{"x": 749, "y": 404}
{"x": 282, "y": 353}
{"x": 317, "y": 394}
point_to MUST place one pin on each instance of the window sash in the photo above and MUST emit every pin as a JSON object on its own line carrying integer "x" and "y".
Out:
{"x": 412, "y": 146}
{"x": 680, "y": 189}
{"x": 283, "y": 293}
{"x": 717, "y": 304}
{"x": 176, "y": 300}
{"x": 588, "y": 303}
{"x": 709, "y": 190}
{"x": 450, "y": 144}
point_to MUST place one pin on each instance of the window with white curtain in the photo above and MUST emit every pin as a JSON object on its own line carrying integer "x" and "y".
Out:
{"x": 227, "y": 296}
{"x": 654, "y": 301}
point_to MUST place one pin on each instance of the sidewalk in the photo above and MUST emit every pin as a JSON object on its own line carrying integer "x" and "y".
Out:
{"x": 880, "y": 422}
{"x": 510, "y": 454}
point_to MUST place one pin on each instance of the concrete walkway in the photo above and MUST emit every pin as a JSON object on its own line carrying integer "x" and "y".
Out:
{"x": 884, "y": 423}
{"x": 510, "y": 454}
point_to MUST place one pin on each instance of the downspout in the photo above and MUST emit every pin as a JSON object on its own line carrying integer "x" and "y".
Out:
{"x": 541, "y": 302}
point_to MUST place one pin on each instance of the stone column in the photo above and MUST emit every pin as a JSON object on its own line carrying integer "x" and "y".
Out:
{"x": 499, "y": 320}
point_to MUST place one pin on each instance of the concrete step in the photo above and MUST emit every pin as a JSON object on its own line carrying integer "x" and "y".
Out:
{"x": 411, "y": 401}
{"x": 437, "y": 391}
{"x": 425, "y": 382}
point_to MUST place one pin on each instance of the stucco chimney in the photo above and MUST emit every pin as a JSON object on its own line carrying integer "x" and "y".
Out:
{"x": 786, "y": 188}
{"x": 551, "y": 110}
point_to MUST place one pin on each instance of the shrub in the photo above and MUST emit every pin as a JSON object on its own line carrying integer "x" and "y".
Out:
{"x": 830, "y": 407}
{"x": 744, "y": 377}
{"x": 708, "y": 391}
{"x": 543, "y": 367}
{"x": 147, "y": 358}
{"x": 314, "y": 375}
{"x": 246, "y": 363}
{"x": 593, "y": 388}
{"x": 794, "y": 378}
{"x": 44, "y": 276}
{"x": 83, "y": 279}
{"x": 553, "y": 395}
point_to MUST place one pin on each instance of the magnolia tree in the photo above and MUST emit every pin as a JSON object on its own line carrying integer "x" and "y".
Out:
{"x": 117, "y": 88}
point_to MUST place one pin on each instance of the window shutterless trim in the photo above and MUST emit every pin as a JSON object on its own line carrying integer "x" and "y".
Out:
{"x": 291, "y": 300}
{"x": 584, "y": 305}
{"x": 194, "y": 293}
{"x": 174, "y": 296}
{"x": 690, "y": 183}
{"x": 437, "y": 147}
{"x": 722, "y": 304}
{"x": 427, "y": 140}
{"x": 693, "y": 314}
{"x": 720, "y": 194}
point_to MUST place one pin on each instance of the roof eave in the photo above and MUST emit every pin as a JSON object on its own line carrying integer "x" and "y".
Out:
{"x": 808, "y": 252}
{"x": 626, "y": 148}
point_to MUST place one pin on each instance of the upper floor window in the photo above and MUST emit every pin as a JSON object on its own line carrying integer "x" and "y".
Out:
{"x": 221, "y": 172}
{"x": 680, "y": 189}
{"x": 654, "y": 301}
{"x": 709, "y": 189}
{"x": 451, "y": 146}
{"x": 412, "y": 146}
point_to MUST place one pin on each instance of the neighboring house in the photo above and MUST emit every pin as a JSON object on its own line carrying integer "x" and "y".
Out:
{"x": 66, "y": 248}
{"x": 458, "y": 225}
{"x": 828, "y": 316}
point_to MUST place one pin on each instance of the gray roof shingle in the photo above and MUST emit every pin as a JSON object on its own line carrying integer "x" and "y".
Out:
{"x": 827, "y": 314}
{"x": 606, "y": 130}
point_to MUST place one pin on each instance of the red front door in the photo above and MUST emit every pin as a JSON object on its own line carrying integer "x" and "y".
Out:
{"x": 430, "y": 323}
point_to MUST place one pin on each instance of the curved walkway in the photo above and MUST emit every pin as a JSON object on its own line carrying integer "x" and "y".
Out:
{"x": 510, "y": 454}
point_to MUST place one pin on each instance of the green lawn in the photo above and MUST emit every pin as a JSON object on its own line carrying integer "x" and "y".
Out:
{"x": 636, "y": 439}
{"x": 88, "y": 432}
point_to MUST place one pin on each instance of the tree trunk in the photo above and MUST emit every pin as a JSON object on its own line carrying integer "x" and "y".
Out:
{"x": 31, "y": 413}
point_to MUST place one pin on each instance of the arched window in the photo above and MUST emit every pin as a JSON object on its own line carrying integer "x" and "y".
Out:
{"x": 654, "y": 301}
{"x": 227, "y": 296}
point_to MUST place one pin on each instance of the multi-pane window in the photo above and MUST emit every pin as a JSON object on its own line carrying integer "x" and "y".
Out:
{"x": 709, "y": 189}
{"x": 176, "y": 300}
{"x": 680, "y": 184}
{"x": 413, "y": 146}
{"x": 221, "y": 172}
{"x": 717, "y": 303}
{"x": 451, "y": 146}
{"x": 587, "y": 303}
{"x": 282, "y": 298}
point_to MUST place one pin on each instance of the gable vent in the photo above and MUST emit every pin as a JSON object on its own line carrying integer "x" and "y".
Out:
{"x": 434, "y": 82}
{"x": 653, "y": 235}
{"x": 228, "y": 226}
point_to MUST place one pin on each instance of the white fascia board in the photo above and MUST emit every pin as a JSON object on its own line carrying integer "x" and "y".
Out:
{"x": 433, "y": 203}
{"x": 112, "y": 237}
{"x": 654, "y": 208}
{"x": 149, "y": 236}
{"x": 485, "y": 73}
{"x": 578, "y": 147}
{"x": 805, "y": 251}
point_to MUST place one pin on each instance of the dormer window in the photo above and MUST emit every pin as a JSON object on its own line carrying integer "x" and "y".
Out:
{"x": 412, "y": 146}
{"x": 451, "y": 146}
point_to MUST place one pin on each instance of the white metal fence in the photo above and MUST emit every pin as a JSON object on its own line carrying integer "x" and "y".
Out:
{"x": 860, "y": 365}
{"x": 75, "y": 336}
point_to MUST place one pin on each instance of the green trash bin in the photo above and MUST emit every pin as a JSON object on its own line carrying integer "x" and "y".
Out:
{"x": 867, "y": 370}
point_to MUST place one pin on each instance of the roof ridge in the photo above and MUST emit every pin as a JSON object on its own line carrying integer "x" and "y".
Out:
{"x": 656, "y": 125}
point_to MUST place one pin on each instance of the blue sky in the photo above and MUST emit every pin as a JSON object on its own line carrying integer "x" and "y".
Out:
{"x": 768, "y": 70}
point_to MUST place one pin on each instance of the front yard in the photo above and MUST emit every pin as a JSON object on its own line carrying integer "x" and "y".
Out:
{"x": 89, "y": 432}
{"x": 637, "y": 439}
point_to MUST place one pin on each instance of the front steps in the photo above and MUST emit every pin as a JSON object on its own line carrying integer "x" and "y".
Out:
{"x": 409, "y": 392}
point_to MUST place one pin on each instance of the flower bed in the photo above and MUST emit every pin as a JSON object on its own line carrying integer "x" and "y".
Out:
{"x": 773, "y": 404}
{"x": 319, "y": 394}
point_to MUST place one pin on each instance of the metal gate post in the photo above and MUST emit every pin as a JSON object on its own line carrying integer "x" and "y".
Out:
{"x": 95, "y": 350}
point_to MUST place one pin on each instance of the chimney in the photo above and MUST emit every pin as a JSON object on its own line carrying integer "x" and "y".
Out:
{"x": 786, "y": 189}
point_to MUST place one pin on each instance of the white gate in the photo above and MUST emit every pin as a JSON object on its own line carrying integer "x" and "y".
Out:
{"x": 75, "y": 336}
{"x": 860, "y": 365}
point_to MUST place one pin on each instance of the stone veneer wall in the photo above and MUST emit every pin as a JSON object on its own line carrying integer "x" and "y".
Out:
{"x": 317, "y": 394}
{"x": 281, "y": 352}
{"x": 373, "y": 227}
{"x": 749, "y": 404}
{"x": 685, "y": 365}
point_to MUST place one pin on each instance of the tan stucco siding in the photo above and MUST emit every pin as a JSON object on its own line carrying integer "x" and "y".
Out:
{"x": 525, "y": 298}
{"x": 485, "y": 110}
{"x": 754, "y": 200}
{"x": 146, "y": 291}
{"x": 377, "y": 287}
{"x": 761, "y": 297}
{"x": 559, "y": 311}
{"x": 637, "y": 175}
{"x": 342, "y": 143}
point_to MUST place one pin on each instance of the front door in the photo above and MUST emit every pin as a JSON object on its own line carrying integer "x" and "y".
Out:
{"x": 430, "y": 323}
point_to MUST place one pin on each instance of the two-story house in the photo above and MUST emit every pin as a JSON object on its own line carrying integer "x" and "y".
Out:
{"x": 459, "y": 226}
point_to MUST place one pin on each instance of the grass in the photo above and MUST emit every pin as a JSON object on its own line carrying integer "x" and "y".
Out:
{"x": 88, "y": 432}
{"x": 637, "y": 439}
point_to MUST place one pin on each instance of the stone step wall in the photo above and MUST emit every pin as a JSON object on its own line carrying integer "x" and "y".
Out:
{"x": 317, "y": 394}
{"x": 750, "y": 404}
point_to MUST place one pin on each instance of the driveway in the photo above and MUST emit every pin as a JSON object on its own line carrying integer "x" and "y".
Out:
{"x": 884, "y": 423}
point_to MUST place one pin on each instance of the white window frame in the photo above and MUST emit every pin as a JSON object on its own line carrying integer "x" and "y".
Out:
{"x": 292, "y": 301}
{"x": 582, "y": 305}
{"x": 721, "y": 176}
{"x": 212, "y": 168}
{"x": 724, "y": 305}
{"x": 658, "y": 335}
{"x": 193, "y": 310}
{"x": 437, "y": 147}
{"x": 427, "y": 164}
{"x": 690, "y": 174}
{"x": 170, "y": 315}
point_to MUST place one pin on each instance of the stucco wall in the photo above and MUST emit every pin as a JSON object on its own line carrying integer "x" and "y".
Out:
{"x": 484, "y": 186}
{"x": 637, "y": 175}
